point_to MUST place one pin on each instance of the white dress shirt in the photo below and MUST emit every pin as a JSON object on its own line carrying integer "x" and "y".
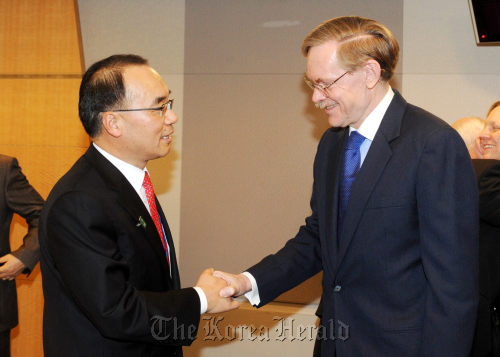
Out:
{"x": 371, "y": 124}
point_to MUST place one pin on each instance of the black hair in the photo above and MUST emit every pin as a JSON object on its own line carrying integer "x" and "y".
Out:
{"x": 102, "y": 88}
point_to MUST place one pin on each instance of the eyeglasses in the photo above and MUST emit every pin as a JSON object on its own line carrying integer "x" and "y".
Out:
{"x": 323, "y": 87}
{"x": 164, "y": 108}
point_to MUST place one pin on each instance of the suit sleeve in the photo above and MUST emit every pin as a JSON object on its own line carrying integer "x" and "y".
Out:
{"x": 24, "y": 200}
{"x": 448, "y": 218}
{"x": 489, "y": 196}
{"x": 82, "y": 240}
{"x": 298, "y": 260}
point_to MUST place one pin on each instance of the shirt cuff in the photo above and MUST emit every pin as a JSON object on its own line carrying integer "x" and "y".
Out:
{"x": 253, "y": 295}
{"x": 203, "y": 299}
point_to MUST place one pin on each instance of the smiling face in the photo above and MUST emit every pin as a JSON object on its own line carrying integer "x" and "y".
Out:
{"x": 145, "y": 135}
{"x": 349, "y": 100}
{"x": 489, "y": 138}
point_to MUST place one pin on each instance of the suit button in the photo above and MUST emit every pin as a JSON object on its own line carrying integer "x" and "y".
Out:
{"x": 337, "y": 288}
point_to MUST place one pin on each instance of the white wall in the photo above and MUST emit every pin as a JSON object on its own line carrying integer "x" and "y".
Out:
{"x": 444, "y": 71}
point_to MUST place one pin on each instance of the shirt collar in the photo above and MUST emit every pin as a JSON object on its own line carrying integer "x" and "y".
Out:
{"x": 372, "y": 122}
{"x": 133, "y": 174}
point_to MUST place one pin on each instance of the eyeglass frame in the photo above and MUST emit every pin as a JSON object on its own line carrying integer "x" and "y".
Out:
{"x": 164, "y": 108}
{"x": 323, "y": 87}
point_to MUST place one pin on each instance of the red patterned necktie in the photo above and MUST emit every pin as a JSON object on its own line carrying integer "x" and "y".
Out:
{"x": 150, "y": 195}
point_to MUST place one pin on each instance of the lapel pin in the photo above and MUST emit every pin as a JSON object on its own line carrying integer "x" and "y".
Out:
{"x": 141, "y": 222}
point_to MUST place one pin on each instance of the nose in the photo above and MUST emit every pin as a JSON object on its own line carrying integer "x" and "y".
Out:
{"x": 318, "y": 95}
{"x": 170, "y": 117}
{"x": 485, "y": 133}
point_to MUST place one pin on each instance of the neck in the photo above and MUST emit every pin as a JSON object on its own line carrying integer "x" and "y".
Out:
{"x": 117, "y": 152}
{"x": 375, "y": 96}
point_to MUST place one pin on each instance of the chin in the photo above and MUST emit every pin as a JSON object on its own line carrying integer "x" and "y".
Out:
{"x": 493, "y": 156}
{"x": 336, "y": 122}
{"x": 164, "y": 153}
{"x": 165, "y": 150}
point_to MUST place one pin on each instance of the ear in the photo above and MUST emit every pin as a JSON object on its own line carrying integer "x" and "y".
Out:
{"x": 372, "y": 71}
{"x": 111, "y": 124}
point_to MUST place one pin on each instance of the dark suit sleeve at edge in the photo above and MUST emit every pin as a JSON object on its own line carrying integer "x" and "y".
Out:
{"x": 489, "y": 196}
{"x": 24, "y": 200}
{"x": 448, "y": 219}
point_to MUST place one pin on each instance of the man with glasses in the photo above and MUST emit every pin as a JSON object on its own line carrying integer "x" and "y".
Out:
{"x": 394, "y": 211}
{"x": 110, "y": 276}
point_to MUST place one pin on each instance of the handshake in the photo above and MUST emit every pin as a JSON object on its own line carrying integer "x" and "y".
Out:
{"x": 220, "y": 288}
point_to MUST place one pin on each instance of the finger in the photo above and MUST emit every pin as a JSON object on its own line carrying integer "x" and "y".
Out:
{"x": 6, "y": 274}
{"x": 219, "y": 274}
{"x": 6, "y": 269}
{"x": 225, "y": 305}
{"x": 209, "y": 271}
{"x": 224, "y": 276}
{"x": 228, "y": 291}
{"x": 233, "y": 304}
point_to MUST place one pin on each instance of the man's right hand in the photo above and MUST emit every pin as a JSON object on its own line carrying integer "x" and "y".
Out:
{"x": 212, "y": 287}
{"x": 10, "y": 267}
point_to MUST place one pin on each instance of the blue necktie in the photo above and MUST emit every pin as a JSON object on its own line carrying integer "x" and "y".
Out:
{"x": 352, "y": 160}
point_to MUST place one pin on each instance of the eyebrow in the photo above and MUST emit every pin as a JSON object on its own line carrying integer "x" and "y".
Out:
{"x": 158, "y": 100}
{"x": 317, "y": 80}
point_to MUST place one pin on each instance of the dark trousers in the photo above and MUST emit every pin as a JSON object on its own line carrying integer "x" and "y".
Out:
{"x": 5, "y": 343}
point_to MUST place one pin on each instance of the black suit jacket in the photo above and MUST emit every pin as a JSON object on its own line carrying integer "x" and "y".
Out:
{"x": 17, "y": 196}
{"x": 106, "y": 281}
{"x": 402, "y": 281}
{"x": 488, "y": 179}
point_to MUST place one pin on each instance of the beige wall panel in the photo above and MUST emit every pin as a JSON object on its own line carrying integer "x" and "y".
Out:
{"x": 43, "y": 165}
{"x": 439, "y": 39}
{"x": 261, "y": 36}
{"x": 40, "y": 112}
{"x": 153, "y": 29}
{"x": 453, "y": 96}
{"x": 39, "y": 37}
{"x": 27, "y": 336}
{"x": 445, "y": 71}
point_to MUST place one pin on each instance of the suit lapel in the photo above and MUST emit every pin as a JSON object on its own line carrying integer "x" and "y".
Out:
{"x": 173, "y": 258}
{"x": 373, "y": 166}
{"x": 131, "y": 203}
{"x": 331, "y": 198}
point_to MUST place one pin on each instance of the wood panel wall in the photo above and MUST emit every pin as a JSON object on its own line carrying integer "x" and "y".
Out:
{"x": 40, "y": 71}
